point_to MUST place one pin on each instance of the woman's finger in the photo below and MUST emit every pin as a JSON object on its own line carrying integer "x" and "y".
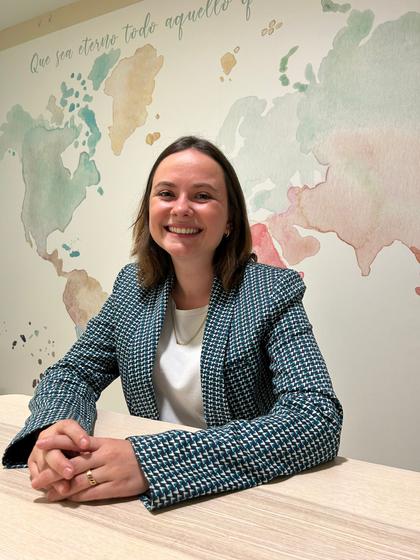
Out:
{"x": 80, "y": 464}
{"x": 81, "y": 483}
{"x": 73, "y": 430}
{"x": 86, "y": 461}
{"x": 114, "y": 472}
{"x": 58, "y": 441}
{"x": 59, "y": 463}
{"x": 58, "y": 467}
{"x": 47, "y": 478}
{"x": 61, "y": 487}
{"x": 33, "y": 469}
{"x": 103, "y": 491}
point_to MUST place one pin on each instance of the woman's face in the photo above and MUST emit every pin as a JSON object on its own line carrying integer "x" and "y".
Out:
{"x": 188, "y": 207}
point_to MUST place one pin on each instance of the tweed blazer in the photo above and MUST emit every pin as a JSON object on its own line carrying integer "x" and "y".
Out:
{"x": 268, "y": 400}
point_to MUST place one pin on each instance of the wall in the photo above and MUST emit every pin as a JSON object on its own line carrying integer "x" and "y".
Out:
{"x": 316, "y": 104}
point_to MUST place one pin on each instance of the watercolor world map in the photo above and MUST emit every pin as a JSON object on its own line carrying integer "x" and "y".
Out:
{"x": 350, "y": 122}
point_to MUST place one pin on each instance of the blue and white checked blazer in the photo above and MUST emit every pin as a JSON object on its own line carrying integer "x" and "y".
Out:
{"x": 268, "y": 400}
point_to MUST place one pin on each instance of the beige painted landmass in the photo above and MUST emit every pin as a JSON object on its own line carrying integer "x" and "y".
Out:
{"x": 131, "y": 86}
{"x": 57, "y": 113}
{"x": 228, "y": 61}
{"x": 83, "y": 295}
{"x": 152, "y": 137}
{"x": 272, "y": 26}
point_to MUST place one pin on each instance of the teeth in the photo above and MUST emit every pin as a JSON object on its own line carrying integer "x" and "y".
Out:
{"x": 182, "y": 230}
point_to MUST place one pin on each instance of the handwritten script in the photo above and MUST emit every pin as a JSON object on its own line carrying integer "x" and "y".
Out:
{"x": 134, "y": 32}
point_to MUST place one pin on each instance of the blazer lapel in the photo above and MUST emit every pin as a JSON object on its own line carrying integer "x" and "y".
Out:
{"x": 152, "y": 309}
{"x": 151, "y": 313}
{"x": 216, "y": 334}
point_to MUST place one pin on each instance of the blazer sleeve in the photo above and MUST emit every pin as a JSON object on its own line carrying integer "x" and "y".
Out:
{"x": 71, "y": 387}
{"x": 301, "y": 430}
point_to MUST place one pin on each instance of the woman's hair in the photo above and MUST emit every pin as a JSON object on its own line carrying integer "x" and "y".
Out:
{"x": 233, "y": 252}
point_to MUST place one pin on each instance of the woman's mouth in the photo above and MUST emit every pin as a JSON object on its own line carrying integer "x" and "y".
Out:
{"x": 182, "y": 230}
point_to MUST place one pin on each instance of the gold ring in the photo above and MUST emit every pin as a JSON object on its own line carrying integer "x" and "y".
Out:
{"x": 91, "y": 478}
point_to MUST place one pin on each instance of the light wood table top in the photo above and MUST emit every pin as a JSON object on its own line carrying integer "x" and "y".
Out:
{"x": 343, "y": 510}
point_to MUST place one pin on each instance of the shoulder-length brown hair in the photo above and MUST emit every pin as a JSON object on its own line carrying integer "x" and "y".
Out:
{"x": 233, "y": 252}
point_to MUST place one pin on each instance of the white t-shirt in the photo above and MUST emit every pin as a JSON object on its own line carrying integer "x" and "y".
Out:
{"x": 176, "y": 373}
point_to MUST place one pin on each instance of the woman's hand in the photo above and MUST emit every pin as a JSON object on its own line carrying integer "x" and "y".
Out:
{"x": 111, "y": 462}
{"x": 51, "y": 462}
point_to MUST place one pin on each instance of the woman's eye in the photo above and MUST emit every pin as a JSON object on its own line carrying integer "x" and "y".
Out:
{"x": 165, "y": 194}
{"x": 203, "y": 196}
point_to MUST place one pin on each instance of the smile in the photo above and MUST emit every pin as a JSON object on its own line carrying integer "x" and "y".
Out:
{"x": 182, "y": 231}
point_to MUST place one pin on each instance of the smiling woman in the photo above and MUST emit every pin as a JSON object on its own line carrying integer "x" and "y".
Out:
{"x": 190, "y": 181}
{"x": 201, "y": 335}
{"x": 188, "y": 210}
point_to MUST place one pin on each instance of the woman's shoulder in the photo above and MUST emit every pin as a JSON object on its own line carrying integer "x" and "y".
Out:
{"x": 129, "y": 279}
{"x": 268, "y": 280}
{"x": 265, "y": 272}
{"x": 128, "y": 274}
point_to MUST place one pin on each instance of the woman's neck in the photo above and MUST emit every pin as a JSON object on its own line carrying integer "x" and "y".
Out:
{"x": 192, "y": 287}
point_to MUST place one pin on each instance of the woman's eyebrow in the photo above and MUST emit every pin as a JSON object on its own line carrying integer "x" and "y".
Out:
{"x": 205, "y": 186}
{"x": 164, "y": 184}
{"x": 195, "y": 185}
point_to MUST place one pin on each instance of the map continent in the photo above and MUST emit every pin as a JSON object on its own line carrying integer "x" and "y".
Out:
{"x": 131, "y": 86}
{"x": 356, "y": 126}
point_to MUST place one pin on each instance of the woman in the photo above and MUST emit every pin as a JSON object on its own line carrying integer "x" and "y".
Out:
{"x": 200, "y": 334}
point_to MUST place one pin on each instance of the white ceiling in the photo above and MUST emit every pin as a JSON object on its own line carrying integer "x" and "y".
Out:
{"x": 13, "y": 12}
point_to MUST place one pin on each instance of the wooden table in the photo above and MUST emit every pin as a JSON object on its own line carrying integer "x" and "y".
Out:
{"x": 346, "y": 509}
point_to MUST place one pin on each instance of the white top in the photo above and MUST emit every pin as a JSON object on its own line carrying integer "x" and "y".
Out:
{"x": 176, "y": 373}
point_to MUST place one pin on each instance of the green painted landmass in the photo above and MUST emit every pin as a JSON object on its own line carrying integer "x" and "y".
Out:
{"x": 300, "y": 87}
{"x": 356, "y": 84}
{"x": 88, "y": 117}
{"x": 330, "y": 6}
{"x": 285, "y": 59}
{"x": 102, "y": 66}
{"x": 284, "y": 80}
{"x": 354, "y": 90}
{"x": 65, "y": 94}
{"x": 361, "y": 116}
{"x": 14, "y": 129}
{"x": 52, "y": 192}
{"x": 309, "y": 75}
{"x": 269, "y": 149}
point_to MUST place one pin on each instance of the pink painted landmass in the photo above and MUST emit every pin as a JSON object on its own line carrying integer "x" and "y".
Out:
{"x": 295, "y": 247}
{"x": 416, "y": 253}
{"x": 370, "y": 197}
{"x": 263, "y": 246}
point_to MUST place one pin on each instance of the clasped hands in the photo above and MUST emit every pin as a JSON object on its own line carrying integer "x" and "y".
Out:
{"x": 63, "y": 454}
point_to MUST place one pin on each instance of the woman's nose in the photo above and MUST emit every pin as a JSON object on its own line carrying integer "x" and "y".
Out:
{"x": 182, "y": 206}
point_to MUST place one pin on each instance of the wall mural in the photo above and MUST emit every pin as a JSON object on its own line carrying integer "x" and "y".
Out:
{"x": 316, "y": 104}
